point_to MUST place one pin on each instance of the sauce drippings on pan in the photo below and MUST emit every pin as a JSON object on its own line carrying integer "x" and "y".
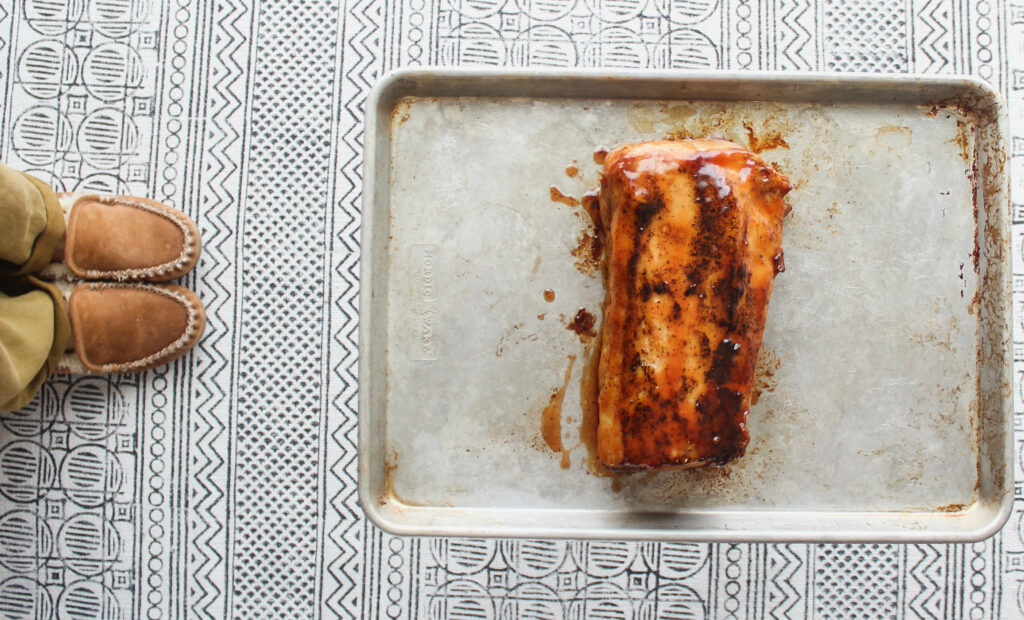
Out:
{"x": 589, "y": 387}
{"x": 549, "y": 295}
{"x": 583, "y": 324}
{"x": 599, "y": 155}
{"x": 571, "y": 170}
{"x": 558, "y": 196}
{"x": 551, "y": 418}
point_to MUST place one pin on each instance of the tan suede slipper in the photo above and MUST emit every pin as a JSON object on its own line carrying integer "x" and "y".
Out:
{"x": 121, "y": 327}
{"x": 125, "y": 238}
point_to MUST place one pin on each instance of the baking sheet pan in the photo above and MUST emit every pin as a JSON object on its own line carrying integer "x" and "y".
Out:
{"x": 884, "y": 410}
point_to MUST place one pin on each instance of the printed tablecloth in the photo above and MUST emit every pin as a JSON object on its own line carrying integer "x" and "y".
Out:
{"x": 224, "y": 485}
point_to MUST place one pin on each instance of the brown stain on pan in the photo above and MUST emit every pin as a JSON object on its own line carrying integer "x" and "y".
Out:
{"x": 551, "y": 418}
{"x": 995, "y": 300}
{"x": 981, "y": 141}
{"x": 761, "y": 130}
{"x": 768, "y": 139}
{"x": 979, "y": 120}
{"x": 965, "y": 139}
{"x": 894, "y": 136}
{"x": 390, "y": 465}
{"x": 403, "y": 108}
{"x": 764, "y": 375}
{"x": 389, "y": 494}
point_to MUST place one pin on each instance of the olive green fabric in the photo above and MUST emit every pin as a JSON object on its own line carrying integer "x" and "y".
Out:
{"x": 34, "y": 331}
{"x": 31, "y": 222}
{"x": 34, "y": 325}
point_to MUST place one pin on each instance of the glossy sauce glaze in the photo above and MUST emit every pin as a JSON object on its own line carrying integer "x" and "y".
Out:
{"x": 692, "y": 231}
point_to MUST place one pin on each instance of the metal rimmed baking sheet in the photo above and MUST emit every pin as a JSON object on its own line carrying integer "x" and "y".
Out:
{"x": 888, "y": 415}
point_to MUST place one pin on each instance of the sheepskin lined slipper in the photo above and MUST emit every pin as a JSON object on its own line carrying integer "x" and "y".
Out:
{"x": 120, "y": 327}
{"x": 125, "y": 238}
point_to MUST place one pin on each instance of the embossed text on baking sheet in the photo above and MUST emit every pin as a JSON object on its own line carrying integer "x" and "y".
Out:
{"x": 423, "y": 343}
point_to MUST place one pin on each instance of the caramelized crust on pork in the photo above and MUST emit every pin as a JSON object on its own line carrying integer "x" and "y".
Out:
{"x": 693, "y": 231}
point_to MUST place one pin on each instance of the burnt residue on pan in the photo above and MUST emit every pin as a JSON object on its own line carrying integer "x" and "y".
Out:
{"x": 682, "y": 121}
{"x": 582, "y": 324}
{"x": 981, "y": 145}
{"x": 767, "y": 140}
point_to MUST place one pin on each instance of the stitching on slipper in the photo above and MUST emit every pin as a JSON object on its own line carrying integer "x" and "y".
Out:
{"x": 171, "y": 266}
{"x": 172, "y": 348}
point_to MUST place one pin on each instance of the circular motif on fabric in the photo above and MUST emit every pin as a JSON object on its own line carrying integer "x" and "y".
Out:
{"x": 533, "y": 558}
{"x": 21, "y": 597}
{"x": 685, "y": 48}
{"x": 88, "y": 600}
{"x": 672, "y": 601}
{"x": 616, "y": 11}
{"x": 93, "y": 407}
{"x": 685, "y": 11}
{"x": 41, "y": 135}
{"x": 117, "y": 18}
{"x": 476, "y": 9}
{"x": 25, "y": 540}
{"x": 532, "y": 600}
{"x": 544, "y": 46}
{"x": 90, "y": 475}
{"x": 546, "y": 10}
{"x": 46, "y": 68}
{"x": 111, "y": 71}
{"x": 102, "y": 183}
{"x": 473, "y": 44}
{"x": 461, "y": 599}
{"x": 27, "y": 471}
{"x": 106, "y": 136}
{"x": 615, "y": 47}
{"x": 675, "y": 560}
{"x": 603, "y": 559}
{"x": 601, "y": 600}
{"x": 88, "y": 544}
{"x": 462, "y": 556}
{"x": 39, "y": 414}
{"x": 53, "y": 17}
